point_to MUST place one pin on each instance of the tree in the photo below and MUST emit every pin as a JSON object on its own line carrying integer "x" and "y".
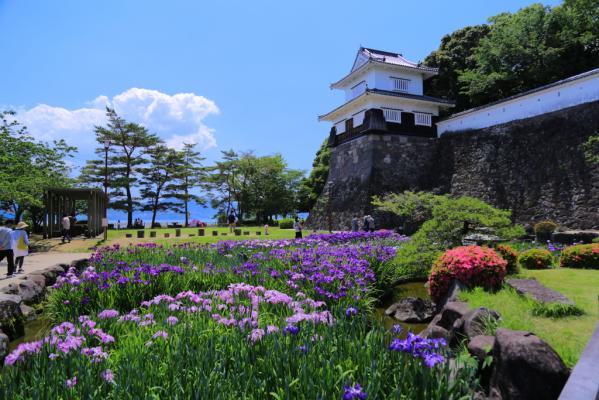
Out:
{"x": 28, "y": 168}
{"x": 222, "y": 182}
{"x": 413, "y": 208}
{"x": 311, "y": 187}
{"x": 158, "y": 180}
{"x": 190, "y": 174}
{"x": 454, "y": 56}
{"x": 128, "y": 143}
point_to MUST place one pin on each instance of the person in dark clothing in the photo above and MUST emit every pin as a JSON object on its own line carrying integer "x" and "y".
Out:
{"x": 231, "y": 219}
{"x": 298, "y": 226}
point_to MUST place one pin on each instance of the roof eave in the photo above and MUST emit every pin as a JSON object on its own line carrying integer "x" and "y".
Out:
{"x": 427, "y": 72}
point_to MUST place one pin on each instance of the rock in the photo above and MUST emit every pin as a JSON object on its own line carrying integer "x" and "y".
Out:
{"x": 11, "y": 288}
{"x": 474, "y": 321}
{"x": 411, "y": 309}
{"x": 31, "y": 292}
{"x": 49, "y": 276}
{"x": 452, "y": 294}
{"x": 39, "y": 280}
{"x": 80, "y": 264}
{"x": 537, "y": 291}
{"x": 4, "y": 341}
{"x": 481, "y": 345}
{"x": 11, "y": 317}
{"x": 58, "y": 269}
{"x": 29, "y": 313}
{"x": 451, "y": 312}
{"x": 526, "y": 367}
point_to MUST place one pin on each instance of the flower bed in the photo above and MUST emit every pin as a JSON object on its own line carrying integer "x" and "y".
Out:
{"x": 254, "y": 321}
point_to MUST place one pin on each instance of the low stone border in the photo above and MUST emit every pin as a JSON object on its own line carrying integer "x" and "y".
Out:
{"x": 17, "y": 298}
{"x": 537, "y": 291}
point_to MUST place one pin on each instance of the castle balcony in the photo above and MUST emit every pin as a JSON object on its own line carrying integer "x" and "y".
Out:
{"x": 384, "y": 121}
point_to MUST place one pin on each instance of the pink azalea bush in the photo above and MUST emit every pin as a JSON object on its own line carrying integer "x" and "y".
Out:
{"x": 581, "y": 256}
{"x": 472, "y": 265}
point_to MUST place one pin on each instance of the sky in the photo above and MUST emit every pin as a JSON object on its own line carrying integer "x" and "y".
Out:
{"x": 246, "y": 75}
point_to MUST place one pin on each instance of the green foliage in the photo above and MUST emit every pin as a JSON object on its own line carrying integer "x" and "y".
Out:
{"x": 555, "y": 310}
{"x": 444, "y": 229}
{"x": 414, "y": 208}
{"x": 28, "y": 168}
{"x": 286, "y": 223}
{"x": 509, "y": 254}
{"x": 535, "y": 259}
{"x": 441, "y": 231}
{"x": 454, "y": 56}
{"x": 311, "y": 187}
{"x": 545, "y": 227}
{"x": 516, "y": 52}
{"x": 515, "y": 231}
{"x": 128, "y": 142}
{"x": 591, "y": 149}
{"x": 251, "y": 185}
{"x": 596, "y": 240}
{"x": 580, "y": 256}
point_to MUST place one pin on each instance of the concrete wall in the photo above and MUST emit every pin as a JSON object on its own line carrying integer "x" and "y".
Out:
{"x": 572, "y": 92}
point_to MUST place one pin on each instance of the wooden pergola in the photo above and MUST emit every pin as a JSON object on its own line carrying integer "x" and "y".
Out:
{"x": 62, "y": 201}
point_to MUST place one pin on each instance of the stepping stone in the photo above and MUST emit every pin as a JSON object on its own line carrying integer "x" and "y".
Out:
{"x": 534, "y": 289}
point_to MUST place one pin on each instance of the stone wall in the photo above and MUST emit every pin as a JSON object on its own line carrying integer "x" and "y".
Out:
{"x": 534, "y": 167}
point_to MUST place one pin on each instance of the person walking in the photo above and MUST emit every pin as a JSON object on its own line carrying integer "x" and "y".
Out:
{"x": 6, "y": 249}
{"x": 231, "y": 220}
{"x": 66, "y": 228}
{"x": 118, "y": 224}
{"x": 365, "y": 223}
{"x": 370, "y": 223}
{"x": 297, "y": 225}
{"x": 355, "y": 224}
{"x": 20, "y": 245}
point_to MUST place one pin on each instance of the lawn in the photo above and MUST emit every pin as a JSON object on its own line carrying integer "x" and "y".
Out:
{"x": 567, "y": 335}
{"x": 119, "y": 237}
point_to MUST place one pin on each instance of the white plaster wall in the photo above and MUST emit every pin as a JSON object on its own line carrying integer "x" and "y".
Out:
{"x": 555, "y": 98}
{"x": 380, "y": 78}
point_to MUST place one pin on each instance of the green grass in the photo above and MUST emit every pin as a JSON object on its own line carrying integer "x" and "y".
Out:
{"x": 567, "y": 335}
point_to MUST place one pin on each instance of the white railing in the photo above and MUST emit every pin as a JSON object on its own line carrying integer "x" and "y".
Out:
{"x": 402, "y": 85}
{"x": 358, "y": 89}
{"x": 392, "y": 115}
{"x": 340, "y": 127}
{"x": 423, "y": 119}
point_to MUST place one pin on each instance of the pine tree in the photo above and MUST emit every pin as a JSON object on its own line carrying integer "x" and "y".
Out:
{"x": 128, "y": 143}
{"x": 190, "y": 175}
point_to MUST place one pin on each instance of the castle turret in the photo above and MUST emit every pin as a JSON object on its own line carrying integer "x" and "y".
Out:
{"x": 384, "y": 94}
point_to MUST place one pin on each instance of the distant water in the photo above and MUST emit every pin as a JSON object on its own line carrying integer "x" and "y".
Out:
{"x": 195, "y": 212}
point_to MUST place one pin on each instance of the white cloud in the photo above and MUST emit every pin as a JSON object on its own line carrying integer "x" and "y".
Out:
{"x": 177, "y": 118}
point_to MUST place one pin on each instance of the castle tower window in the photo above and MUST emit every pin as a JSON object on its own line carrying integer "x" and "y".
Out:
{"x": 423, "y": 119}
{"x": 340, "y": 126}
{"x": 400, "y": 84}
{"x": 392, "y": 115}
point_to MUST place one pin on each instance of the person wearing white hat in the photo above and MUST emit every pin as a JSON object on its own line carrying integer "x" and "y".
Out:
{"x": 20, "y": 244}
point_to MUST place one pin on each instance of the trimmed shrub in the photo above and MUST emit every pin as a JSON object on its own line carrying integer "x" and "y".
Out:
{"x": 544, "y": 229}
{"x": 509, "y": 254}
{"x": 472, "y": 265}
{"x": 535, "y": 259}
{"x": 596, "y": 240}
{"x": 286, "y": 223}
{"x": 581, "y": 256}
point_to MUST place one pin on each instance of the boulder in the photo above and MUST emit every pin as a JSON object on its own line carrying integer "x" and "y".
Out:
{"x": 49, "y": 276}
{"x": 481, "y": 345}
{"x": 29, "y": 313}
{"x": 39, "y": 280}
{"x": 452, "y": 294}
{"x": 452, "y": 311}
{"x": 80, "y": 264}
{"x": 526, "y": 367}
{"x": 11, "y": 317}
{"x": 475, "y": 321}
{"x": 30, "y": 292}
{"x": 4, "y": 340}
{"x": 411, "y": 309}
{"x": 11, "y": 288}
{"x": 57, "y": 269}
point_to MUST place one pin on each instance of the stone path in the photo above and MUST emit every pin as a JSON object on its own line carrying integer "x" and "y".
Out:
{"x": 537, "y": 291}
{"x": 38, "y": 261}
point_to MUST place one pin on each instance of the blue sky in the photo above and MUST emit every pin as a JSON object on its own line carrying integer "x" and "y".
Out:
{"x": 247, "y": 75}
